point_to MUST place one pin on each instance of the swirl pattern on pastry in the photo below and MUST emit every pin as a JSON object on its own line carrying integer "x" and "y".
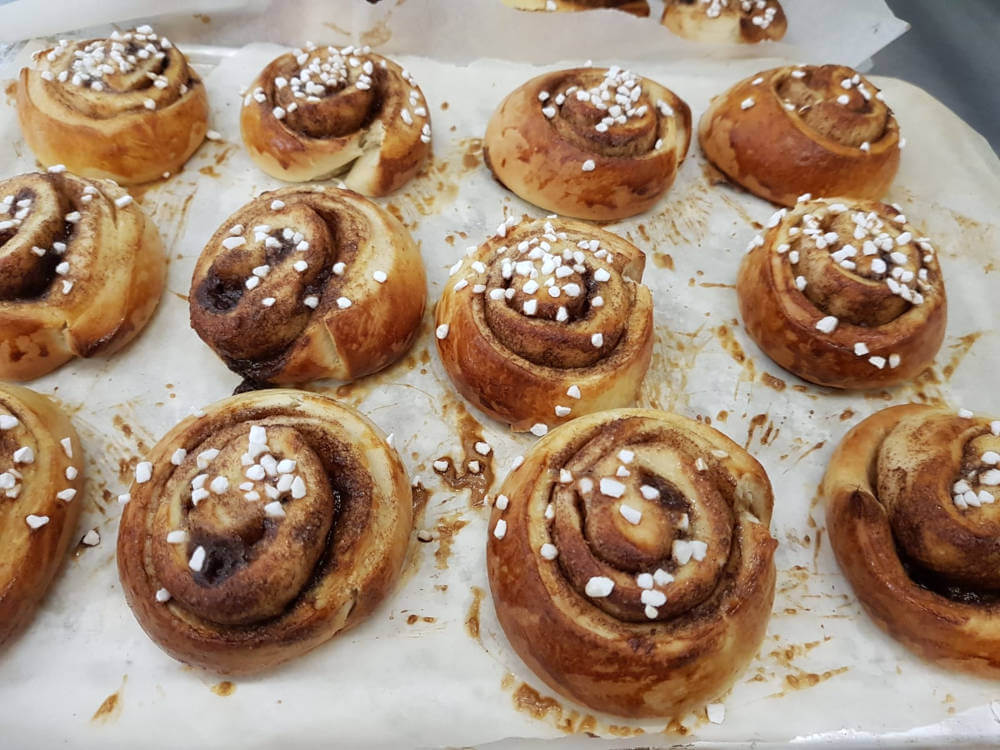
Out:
{"x": 545, "y": 321}
{"x": 631, "y": 563}
{"x": 911, "y": 507}
{"x": 733, "y": 21}
{"x": 635, "y": 7}
{"x": 321, "y": 112}
{"x": 592, "y": 143}
{"x": 39, "y": 505}
{"x": 81, "y": 271}
{"x": 129, "y": 107}
{"x": 844, "y": 294}
{"x": 303, "y": 283}
{"x": 803, "y": 129}
{"x": 260, "y": 530}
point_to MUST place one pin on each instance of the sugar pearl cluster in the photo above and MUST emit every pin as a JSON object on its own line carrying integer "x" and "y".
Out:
{"x": 324, "y": 71}
{"x": 761, "y": 12}
{"x": 617, "y": 94}
{"x": 985, "y": 474}
{"x": 12, "y": 480}
{"x": 269, "y": 478}
{"x": 121, "y": 54}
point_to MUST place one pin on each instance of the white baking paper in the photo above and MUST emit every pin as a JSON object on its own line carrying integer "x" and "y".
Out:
{"x": 391, "y": 684}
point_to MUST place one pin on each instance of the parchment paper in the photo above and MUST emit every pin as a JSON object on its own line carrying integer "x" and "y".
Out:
{"x": 414, "y": 674}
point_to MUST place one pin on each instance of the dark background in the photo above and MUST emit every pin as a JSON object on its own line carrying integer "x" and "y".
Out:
{"x": 952, "y": 51}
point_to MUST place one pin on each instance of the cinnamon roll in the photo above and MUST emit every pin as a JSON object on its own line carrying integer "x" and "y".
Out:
{"x": 128, "y": 108}
{"x": 803, "y": 129}
{"x": 631, "y": 561}
{"x": 911, "y": 507}
{"x": 41, "y": 481}
{"x": 592, "y": 143}
{"x": 81, "y": 271}
{"x": 307, "y": 283}
{"x": 733, "y": 21}
{"x": 262, "y": 529}
{"x": 844, "y": 293}
{"x": 321, "y": 112}
{"x": 545, "y": 321}
{"x": 635, "y": 7}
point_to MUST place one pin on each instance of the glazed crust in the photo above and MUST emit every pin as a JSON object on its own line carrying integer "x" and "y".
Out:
{"x": 519, "y": 368}
{"x": 349, "y": 243}
{"x": 956, "y": 634}
{"x": 112, "y": 134}
{"x": 115, "y": 275}
{"x": 612, "y": 653}
{"x": 776, "y": 153}
{"x": 782, "y": 318}
{"x": 726, "y": 21}
{"x": 32, "y": 557}
{"x": 371, "y": 129}
{"x": 270, "y": 588}
{"x": 635, "y": 7}
{"x": 541, "y": 158}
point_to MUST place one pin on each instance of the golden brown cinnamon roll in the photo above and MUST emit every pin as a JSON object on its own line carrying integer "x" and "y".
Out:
{"x": 303, "y": 283}
{"x": 911, "y": 507}
{"x": 129, "y": 107}
{"x": 592, "y": 143}
{"x": 321, "y": 112}
{"x": 635, "y": 7}
{"x": 81, "y": 271}
{"x": 844, "y": 293}
{"x": 733, "y": 21}
{"x": 41, "y": 480}
{"x": 545, "y": 321}
{"x": 260, "y": 530}
{"x": 803, "y": 129}
{"x": 631, "y": 563}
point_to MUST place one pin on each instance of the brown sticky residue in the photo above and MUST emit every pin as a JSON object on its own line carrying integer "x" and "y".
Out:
{"x": 812, "y": 449}
{"x": 958, "y": 352}
{"x": 683, "y": 220}
{"x": 224, "y": 689}
{"x": 209, "y": 171}
{"x": 111, "y": 707}
{"x": 508, "y": 681}
{"x": 722, "y": 416}
{"x": 11, "y": 91}
{"x": 846, "y": 414}
{"x": 725, "y": 335}
{"x": 473, "y": 471}
{"x": 472, "y": 617}
{"x": 677, "y": 728}
{"x": 436, "y": 184}
{"x": 444, "y": 105}
{"x": 412, "y": 619}
{"x": 528, "y": 700}
{"x": 664, "y": 260}
{"x": 203, "y": 17}
{"x": 420, "y": 497}
{"x": 715, "y": 285}
{"x": 446, "y": 529}
{"x": 772, "y": 382}
{"x": 805, "y": 680}
{"x": 621, "y": 730}
{"x": 767, "y": 436}
{"x": 182, "y": 297}
{"x": 816, "y": 549}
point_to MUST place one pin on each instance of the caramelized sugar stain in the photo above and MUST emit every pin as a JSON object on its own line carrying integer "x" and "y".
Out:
{"x": 472, "y": 617}
{"x": 11, "y": 91}
{"x": 815, "y": 447}
{"x": 664, "y": 260}
{"x": 846, "y": 414}
{"x": 958, "y": 351}
{"x": 474, "y": 472}
{"x": 675, "y": 727}
{"x": 209, "y": 171}
{"x": 769, "y": 433}
{"x": 413, "y": 619}
{"x": 111, "y": 707}
{"x": 224, "y": 688}
{"x": 674, "y": 354}
{"x": 182, "y": 297}
{"x": 715, "y": 285}
{"x": 436, "y": 184}
{"x": 772, "y": 382}
{"x": 683, "y": 220}
{"x": 446, "y": 529}
{"x": 746, "y": 217}
{"x": 528, "y": 700}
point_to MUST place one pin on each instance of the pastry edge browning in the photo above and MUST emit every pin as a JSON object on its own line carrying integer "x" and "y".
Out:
{"x": 777, "y": 157}
{"x": 256, "y": 648}
{"x": 627, "y": 669}
{"x": 21, "y": 594}
{"x": 528, "y": 158}
{"x": 131, "y": 148}
{"x": 952, "y": 634}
